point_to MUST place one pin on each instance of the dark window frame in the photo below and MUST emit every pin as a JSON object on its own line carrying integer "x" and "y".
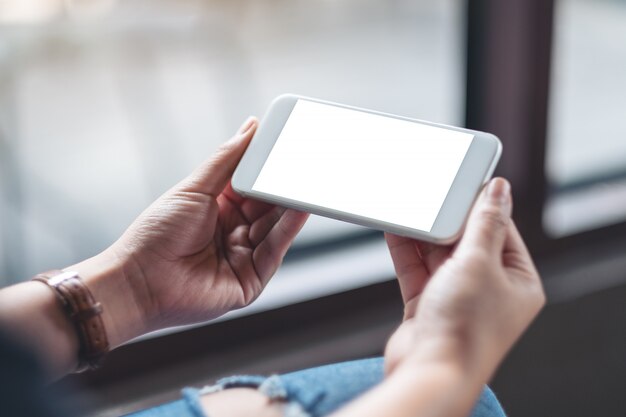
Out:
{"x": 509, "y": 51}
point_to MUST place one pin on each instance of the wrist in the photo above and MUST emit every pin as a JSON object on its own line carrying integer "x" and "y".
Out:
{"x": 108, "y": 277}
{"x": 421, "y": 387}
{"x": 450, "y": 353}
{"x": 415, "y": 369}
{"x": 434, "y": 387}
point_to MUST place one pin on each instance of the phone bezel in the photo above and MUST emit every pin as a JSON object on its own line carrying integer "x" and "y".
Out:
{"x": 477, "y": 167}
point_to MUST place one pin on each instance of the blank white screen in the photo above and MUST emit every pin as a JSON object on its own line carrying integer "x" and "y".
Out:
{"x": 370, "y": 165}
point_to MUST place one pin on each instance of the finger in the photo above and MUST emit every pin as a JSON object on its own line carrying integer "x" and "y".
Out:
{"x": 264, "y": 224}
{"x": 433, "y": 255}
{"x": 251, "y": 210}
{"x": 517, "y": 259}
{"x": 514, "y": 241}
{"x": 516, "y": 254}
{"x": 212, "y": 176}
{"x": 269, "y": 253}
{"x": 232, "y": 195}
{"x": 488, "y": 222}
{"x": 411, "y": 272}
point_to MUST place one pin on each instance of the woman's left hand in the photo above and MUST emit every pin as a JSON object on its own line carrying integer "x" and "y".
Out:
{"x": 200, "y": 250}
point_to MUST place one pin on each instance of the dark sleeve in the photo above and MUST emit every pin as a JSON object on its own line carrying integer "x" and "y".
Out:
{"x": 23, "y": 392}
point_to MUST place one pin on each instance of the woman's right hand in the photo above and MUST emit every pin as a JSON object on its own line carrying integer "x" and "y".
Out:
{"x": 467, "y": 304}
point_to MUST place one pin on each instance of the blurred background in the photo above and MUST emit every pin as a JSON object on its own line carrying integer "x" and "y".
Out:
{"x": 105, "y": 104}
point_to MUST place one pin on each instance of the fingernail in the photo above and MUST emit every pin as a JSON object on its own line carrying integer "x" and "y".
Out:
{"x": 246, "y": 125}
{"x": 499, "y": 191}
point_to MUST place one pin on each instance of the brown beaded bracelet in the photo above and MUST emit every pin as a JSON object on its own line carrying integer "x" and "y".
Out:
{"x": 84, "y": 312}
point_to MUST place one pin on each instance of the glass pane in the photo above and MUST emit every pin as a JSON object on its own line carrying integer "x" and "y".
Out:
{"x": 586, "y": 160}
{"x": 105, "y": 104}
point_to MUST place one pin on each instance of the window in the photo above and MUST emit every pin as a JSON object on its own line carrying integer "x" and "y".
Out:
{"x": 586, "y": 154}
{"x": 104, "y": 108}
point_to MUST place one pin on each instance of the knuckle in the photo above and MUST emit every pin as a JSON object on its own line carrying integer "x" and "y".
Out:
{"x": 215, "y": 161}
{"x": 224, "y": 149}
{"x": 542, "y": 299}
{"x": 493, "y": 217}
{"x": 538, "y": 289}
{"x": 480, "y": 257}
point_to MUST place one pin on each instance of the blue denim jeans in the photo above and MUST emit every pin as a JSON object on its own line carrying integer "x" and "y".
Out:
{"x": 312, "y": 392}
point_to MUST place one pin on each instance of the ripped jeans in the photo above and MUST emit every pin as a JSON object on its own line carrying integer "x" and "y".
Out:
{"x": 311, "y": 392}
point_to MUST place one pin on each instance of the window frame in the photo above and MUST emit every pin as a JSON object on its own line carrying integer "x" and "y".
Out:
{"x": 509, "y": 54}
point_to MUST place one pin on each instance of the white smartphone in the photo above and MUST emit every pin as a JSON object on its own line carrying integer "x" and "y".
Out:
{"x": 392, "y": 173}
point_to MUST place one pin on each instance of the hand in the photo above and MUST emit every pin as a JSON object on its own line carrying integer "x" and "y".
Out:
{"x": 199, "y": 251}
{"x": 467, "y": 304}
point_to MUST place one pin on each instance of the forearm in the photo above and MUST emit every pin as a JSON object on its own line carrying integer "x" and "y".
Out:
{"x": 432, "y": 389}
{"x": 31, "y": 314}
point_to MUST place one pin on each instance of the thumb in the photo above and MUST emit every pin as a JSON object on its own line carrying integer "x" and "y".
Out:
{"x": 488, "y": 222}
{"x": 212, "y": 176}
